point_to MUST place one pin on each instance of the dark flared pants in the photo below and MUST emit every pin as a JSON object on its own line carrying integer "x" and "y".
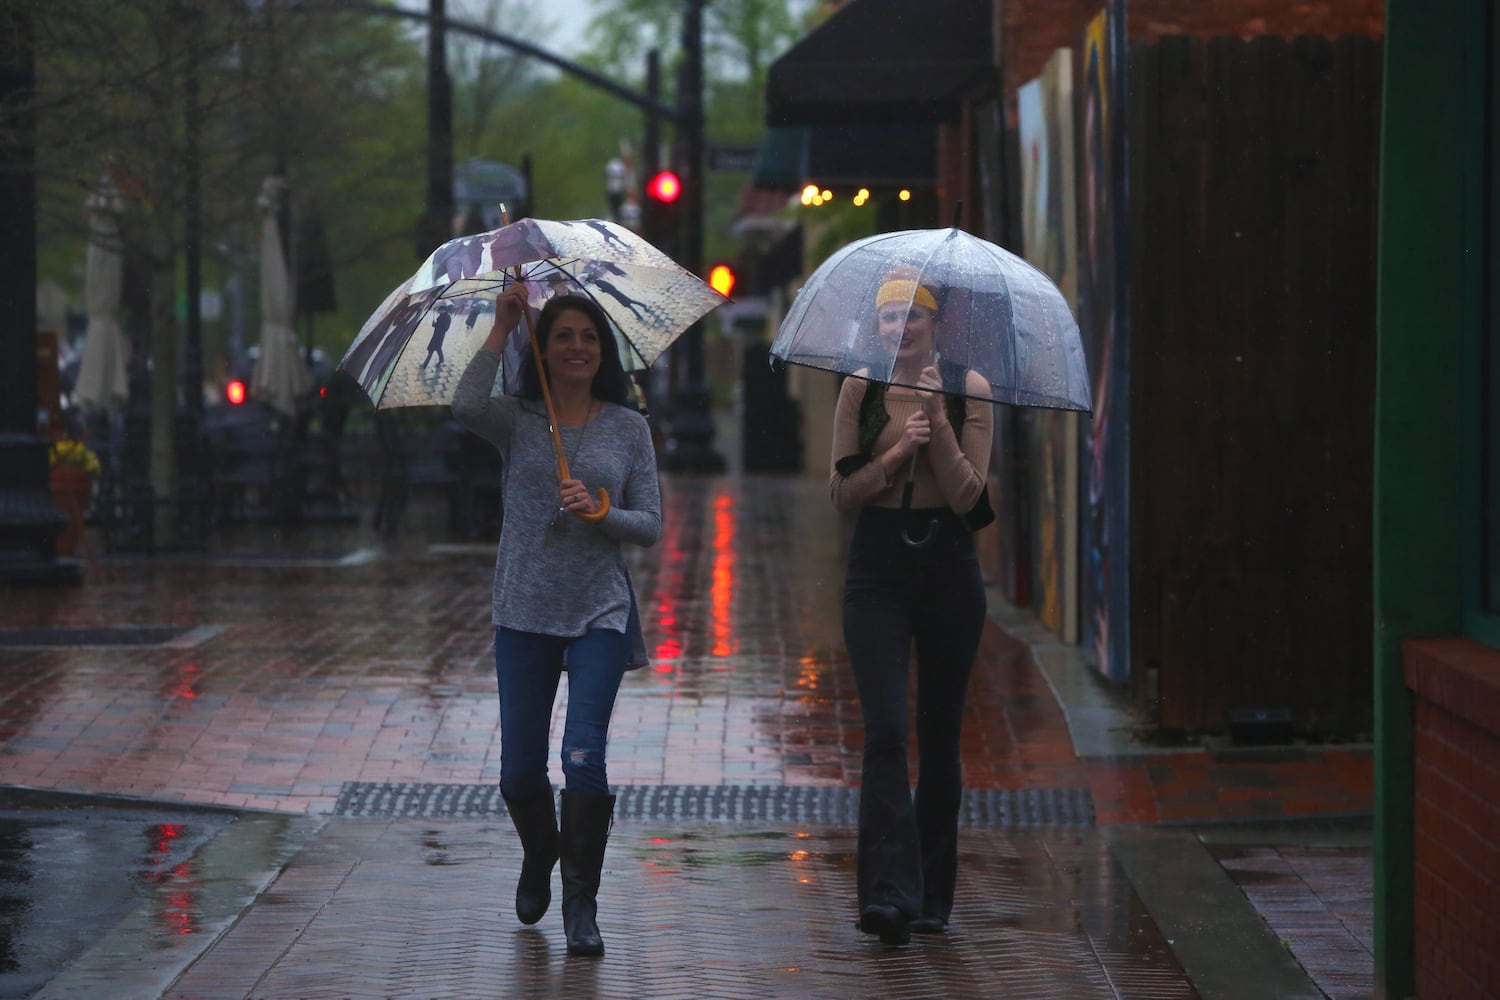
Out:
{"x": 894, "y": 596}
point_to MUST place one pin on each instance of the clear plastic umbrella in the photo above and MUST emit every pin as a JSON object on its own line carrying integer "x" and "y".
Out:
{"x": 102, "y": 384}
{"x": 280, "y": 377}
{"x": 998, "y": 316}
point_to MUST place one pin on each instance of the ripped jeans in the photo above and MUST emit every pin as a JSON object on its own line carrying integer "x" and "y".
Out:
{"x": 528, "y": 666}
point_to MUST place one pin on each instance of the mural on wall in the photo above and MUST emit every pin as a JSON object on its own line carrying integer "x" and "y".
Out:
{"x": 1104, "y": 480}
{"x": 1049, "y": 231}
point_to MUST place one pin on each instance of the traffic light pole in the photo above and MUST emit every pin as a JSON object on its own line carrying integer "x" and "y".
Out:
{"x": 29, "y": 520}
{"x": 690, "y": 441}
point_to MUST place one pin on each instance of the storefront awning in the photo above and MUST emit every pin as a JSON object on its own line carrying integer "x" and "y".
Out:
{"x": 886, "y": 61}
{"x": 872, "y": 155}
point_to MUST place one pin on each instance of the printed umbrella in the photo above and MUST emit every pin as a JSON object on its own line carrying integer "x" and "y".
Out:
{"x": 412, "y": 350}
{"x": 997, "y": 316}
{"x": 101, "y": 372}
{"x": 280, "y": 376}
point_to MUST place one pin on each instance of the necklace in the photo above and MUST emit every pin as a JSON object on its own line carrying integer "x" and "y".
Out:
{"x": 559, "y": 517}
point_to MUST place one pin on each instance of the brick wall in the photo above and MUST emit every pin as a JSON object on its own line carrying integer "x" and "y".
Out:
{"x": 1033, "y": 29}
{"x": 1456, "y": 688}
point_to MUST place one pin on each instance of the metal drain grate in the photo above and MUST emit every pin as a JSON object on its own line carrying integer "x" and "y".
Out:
{"x": 72, "y": 636}
{"x": 1042, "y": 807}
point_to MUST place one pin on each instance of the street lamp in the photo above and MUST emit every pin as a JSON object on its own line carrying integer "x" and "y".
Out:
{"x": 616, "y": 182}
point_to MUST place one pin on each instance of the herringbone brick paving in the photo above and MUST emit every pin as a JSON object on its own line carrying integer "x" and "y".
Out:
{"x": 424, "y": 910}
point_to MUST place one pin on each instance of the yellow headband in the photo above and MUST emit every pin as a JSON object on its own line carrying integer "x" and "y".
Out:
{"x": 906, "y": 292}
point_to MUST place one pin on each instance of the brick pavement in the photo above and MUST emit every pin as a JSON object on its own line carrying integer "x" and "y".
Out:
{"x": 405, "y": 908}
{"x": 315, "y": 658}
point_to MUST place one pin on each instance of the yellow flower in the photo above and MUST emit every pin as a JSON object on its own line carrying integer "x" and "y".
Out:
{"x": 69, "y": 452}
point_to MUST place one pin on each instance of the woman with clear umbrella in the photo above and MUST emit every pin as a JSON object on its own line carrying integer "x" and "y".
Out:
{"x": 910, "y": 456}
{"x": 936, "y": 326}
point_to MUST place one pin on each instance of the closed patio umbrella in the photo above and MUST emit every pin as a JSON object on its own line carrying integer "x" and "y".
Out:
{"x": 280, "y": 377}
{"x": 102, "y": 385}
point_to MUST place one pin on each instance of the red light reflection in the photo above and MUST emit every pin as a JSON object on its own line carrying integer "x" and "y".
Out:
{"x": 177, "y": 902}
{"x": 721, "y": 594}
{"x": 185, "y": 684}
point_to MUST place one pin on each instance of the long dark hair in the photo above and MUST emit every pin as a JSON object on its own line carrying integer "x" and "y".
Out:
{"x": 610, "y": 383}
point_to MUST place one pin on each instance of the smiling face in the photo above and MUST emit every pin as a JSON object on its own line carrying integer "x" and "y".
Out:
{"x": 572, "y": 350}
{"x": 908, "y": 331}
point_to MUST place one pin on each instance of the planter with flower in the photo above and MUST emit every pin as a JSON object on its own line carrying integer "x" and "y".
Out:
{"x": 73, "y": 471}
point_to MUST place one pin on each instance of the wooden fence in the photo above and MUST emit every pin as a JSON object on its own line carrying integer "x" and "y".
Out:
{"x": 1253, "y": 174}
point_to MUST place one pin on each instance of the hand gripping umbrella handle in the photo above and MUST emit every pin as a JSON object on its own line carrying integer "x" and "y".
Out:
{"x": 911, "y": 474}
{"x": 932, "y": 526}
{"x": 536, "y": 352}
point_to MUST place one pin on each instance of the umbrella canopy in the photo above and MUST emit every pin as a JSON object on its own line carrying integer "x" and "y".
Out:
{"x": 280, "y": 377}
{"x": 412, "y": 350}
{"x": 102, "y": 384}
{"x": 997, "y": 315}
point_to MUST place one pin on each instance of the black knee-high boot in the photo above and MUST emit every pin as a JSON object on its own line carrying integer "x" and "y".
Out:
{"x": 536, "y": 823}
{"x": 586, "y": 819}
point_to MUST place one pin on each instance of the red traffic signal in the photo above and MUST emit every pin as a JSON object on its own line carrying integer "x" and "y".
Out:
{"x": 664, "y": 187}
{"x": 721, "y": 279}
{"x": 235, "y": 392}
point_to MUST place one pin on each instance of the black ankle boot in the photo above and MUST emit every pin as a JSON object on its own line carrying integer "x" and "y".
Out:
{"x": 536, "y": 822}
{"x": 586, "y": 819}
{"x": 885, "y": 921}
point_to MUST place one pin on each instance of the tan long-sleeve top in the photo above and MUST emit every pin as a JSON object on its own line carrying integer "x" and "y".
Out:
{"x": 950, "y": 473}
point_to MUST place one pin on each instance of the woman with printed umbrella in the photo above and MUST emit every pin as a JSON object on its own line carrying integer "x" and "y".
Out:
{"x": 579, "y": 483}
{"x": 562, "y": 597}
{"x": 934, "y": 326}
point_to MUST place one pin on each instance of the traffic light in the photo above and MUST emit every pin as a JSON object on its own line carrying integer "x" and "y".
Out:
{"x": 665, "y": 187}
{"x": 721, "y": 279}
{"x": 662, "y": 218}
{"x": 235, "y": 392}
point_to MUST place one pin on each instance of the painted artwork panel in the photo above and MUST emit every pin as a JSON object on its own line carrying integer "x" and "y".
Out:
{"x": 1104, "y": 478}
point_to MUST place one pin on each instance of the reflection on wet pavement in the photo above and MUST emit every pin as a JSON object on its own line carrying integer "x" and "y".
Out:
{"x": 67, "y": 875}
{"x": 333, "y": 661}
{"x": 379, "y": 670}
{"x": 687, "y": 912}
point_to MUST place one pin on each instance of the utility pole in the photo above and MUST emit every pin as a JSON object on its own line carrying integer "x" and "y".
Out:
{"x": 192, "y": 352}
{"x": 436, "y": 227}
{"x": 690, "y": 444}
{"x": 29, "y": 521}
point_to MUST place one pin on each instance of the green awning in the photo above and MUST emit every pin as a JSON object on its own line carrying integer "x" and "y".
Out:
{"x": 873, "y": 155}
{"x": 886, "y": 61}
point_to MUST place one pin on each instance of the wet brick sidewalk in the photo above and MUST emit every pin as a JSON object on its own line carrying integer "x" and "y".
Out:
{"x": 404, "y": 908}
{"x": 318, "y": 671}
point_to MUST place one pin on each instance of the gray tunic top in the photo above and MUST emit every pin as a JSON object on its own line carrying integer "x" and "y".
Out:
{"x": 567, "y": 578}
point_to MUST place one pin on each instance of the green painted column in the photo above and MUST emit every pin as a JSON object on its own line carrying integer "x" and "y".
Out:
{"x": 1429, "y": 297}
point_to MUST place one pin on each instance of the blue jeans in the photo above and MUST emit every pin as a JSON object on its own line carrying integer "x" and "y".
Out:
{"x": 528, "y": 666}
{"x": 894, "y": 596}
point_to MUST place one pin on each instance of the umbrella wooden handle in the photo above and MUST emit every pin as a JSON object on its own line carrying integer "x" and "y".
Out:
{"x": 536, "y": 356}
{"x": 597, "y": 515}
{"x": 564, "y": 473}
{"x": 562, "y": 460}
